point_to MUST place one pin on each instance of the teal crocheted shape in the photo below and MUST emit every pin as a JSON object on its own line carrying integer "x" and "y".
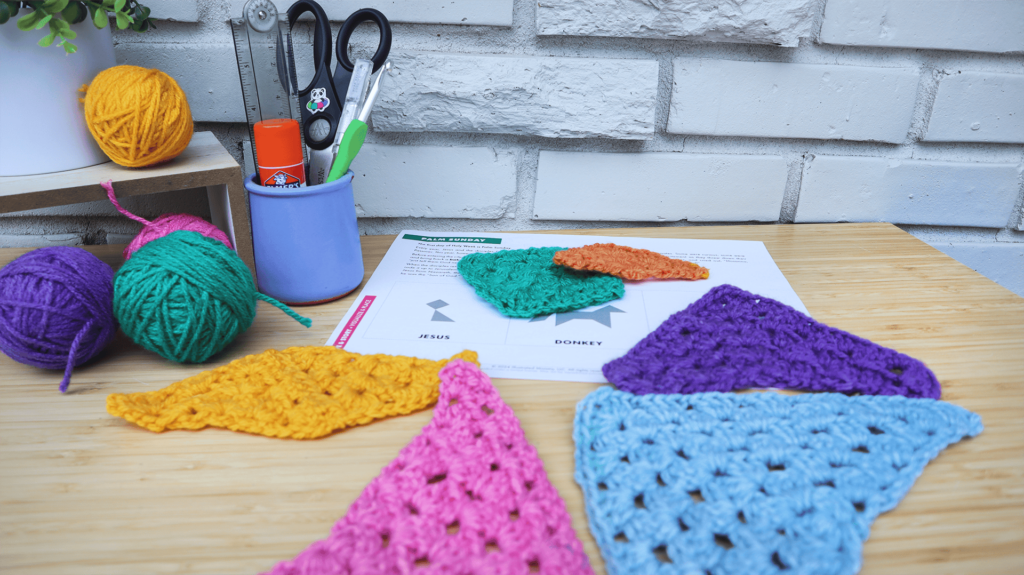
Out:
{"x": 750, "y": 484}
{"x": 527, "y": 283}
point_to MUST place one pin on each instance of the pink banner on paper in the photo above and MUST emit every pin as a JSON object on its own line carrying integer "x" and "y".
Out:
{"x": 353, "y": 322}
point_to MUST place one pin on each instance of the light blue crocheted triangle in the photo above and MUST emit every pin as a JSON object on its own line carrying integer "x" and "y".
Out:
{"x": 750, "y": 484}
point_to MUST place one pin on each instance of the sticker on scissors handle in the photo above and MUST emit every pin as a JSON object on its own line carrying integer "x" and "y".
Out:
{"x": 318, "y": 100}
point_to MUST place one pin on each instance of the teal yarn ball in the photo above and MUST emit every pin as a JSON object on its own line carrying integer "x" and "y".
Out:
{"x": 186, "y": 296}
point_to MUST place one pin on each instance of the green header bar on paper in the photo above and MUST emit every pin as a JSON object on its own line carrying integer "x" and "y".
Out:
{"x": 451, "y": 239}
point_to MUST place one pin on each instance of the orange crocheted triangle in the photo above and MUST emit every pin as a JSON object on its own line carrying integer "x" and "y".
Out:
{"x": 629, "y": 263}
{"x": 299, "y": 393}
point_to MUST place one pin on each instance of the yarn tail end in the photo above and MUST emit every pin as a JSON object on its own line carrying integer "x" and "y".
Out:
{"x": 301, "y": 319}
{"x": 67, "y": 379}
{"x": 71, "y": 355}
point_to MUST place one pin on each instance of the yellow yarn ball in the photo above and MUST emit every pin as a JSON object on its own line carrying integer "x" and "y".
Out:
{"x": 139, "y": 117}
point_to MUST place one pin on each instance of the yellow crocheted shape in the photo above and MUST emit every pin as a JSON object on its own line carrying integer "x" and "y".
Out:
{"x": 301, "y": 393}
{"x": 629, "y": 263}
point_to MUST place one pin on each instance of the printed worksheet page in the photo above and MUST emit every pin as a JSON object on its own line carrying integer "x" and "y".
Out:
{"x": 417, "y": 304}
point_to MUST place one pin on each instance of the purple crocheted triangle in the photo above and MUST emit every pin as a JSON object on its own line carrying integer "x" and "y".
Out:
{"x": 732, "y": 339}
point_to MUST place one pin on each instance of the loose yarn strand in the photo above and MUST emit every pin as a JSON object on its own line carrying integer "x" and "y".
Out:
{"x": 109, "y": 187}
{"x": 303, "y": 320}
{"x": 71, "y": 355}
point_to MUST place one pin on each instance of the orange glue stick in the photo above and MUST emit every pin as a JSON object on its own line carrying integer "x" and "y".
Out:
{"x": 279, "y": 153}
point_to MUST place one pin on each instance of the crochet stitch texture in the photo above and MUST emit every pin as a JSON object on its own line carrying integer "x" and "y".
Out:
{"x": 301, "y": 393}
{"x": 732, "y": 339}
{"x": 750, "y": 484}
{"x": 468, "y": 495}
{"x": 629, "y": 263}
{"x": 527, "y": 283}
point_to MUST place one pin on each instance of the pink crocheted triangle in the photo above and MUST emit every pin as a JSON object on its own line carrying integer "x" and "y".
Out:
{"x": 468, "y": 495}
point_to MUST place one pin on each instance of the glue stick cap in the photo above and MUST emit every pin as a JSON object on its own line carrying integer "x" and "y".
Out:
{"x": 279, "y": 153}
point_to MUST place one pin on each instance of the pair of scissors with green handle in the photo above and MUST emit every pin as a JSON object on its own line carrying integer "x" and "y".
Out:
{"x": 352, "y": 131}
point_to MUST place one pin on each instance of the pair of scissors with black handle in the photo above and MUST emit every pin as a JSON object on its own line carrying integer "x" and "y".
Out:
{"x": 322, "y": 100}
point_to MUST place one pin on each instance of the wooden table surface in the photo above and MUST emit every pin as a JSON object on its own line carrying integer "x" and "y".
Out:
{"x": 84, "y": 492}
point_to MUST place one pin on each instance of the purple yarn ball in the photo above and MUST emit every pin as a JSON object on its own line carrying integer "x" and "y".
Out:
{"x": 56, "y": 308}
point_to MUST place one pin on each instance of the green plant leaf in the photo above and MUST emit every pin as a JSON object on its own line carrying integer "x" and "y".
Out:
{"x": 42, "y": 22}
{"x": 47, "y": 40}
{"x": 99, "y": 19}
{"x": 69, "y": 47}
{"x": 119, "y": 5}
{"x": 54, "y": 6}
{"x": 74, "y": 13}
{"x": 5, "y": 12}
{"x": 140, "y": 24}
{"x": 28, "y": 21}
{"x": 123, "y": 20}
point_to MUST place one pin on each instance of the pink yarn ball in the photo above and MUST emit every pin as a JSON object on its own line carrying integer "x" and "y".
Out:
{"x": 163, "y": 225}
{"x": 168, "y": 223}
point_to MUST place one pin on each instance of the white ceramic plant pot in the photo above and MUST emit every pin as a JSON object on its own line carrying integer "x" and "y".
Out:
{"x": 42, "y": 126}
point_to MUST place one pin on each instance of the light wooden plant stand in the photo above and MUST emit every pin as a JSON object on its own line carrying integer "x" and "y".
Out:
{"x": 204, "y": 163}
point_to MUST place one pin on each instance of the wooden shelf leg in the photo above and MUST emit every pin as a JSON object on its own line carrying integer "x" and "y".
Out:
{"x": 229, "y": 211}
{"x": 220, "y": 210}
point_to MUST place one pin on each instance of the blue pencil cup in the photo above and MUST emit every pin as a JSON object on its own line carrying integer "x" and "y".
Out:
{"x": 305, "y": 241}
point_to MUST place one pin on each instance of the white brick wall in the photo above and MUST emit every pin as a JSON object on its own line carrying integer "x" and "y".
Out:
{"x": 781, "y": 22}
{"x": 175, "y": 10}
{"x": 978, "y": 107}
{"x": 536, "y": 114}
{"x": 433, "y": 182}
{"x": 40, "y": 240}
{"x": 659, "y": 187}
{"x": 976, "y": 25}
{"x": 845, "y": 189}
{"x": 550, "y": 97}
{"x": 766, "y": 99}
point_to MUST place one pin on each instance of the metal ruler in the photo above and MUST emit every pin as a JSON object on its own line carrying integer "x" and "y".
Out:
{"x": 266, "y": 65}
